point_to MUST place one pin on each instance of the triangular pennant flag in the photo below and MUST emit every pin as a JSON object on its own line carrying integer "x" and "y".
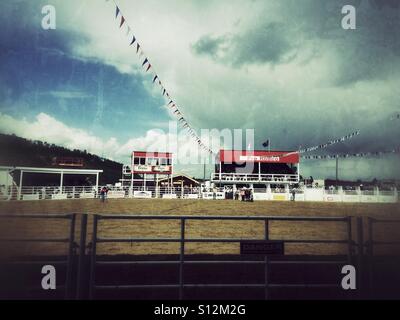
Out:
{"x": 163, "y": 92}
{"x": 116, "y": 12}
{"x": 137, "y": 48}
{"x": 122, "y": 21}
{"x": 148, "y": 67}
{"x": 155, "y": 78}
{"x": 133, "y": 40}
{"x": 144, "y": 62}
{"x": 170, "y": 102}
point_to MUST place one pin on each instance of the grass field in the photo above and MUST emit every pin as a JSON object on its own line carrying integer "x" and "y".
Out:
{"x": 197, "y": 229}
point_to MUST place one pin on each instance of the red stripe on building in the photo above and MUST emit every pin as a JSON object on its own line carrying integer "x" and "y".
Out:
{"x": 242, "y": 156}
{"x": 144, "y": 154}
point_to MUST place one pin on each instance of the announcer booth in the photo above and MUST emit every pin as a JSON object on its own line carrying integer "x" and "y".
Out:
{"x": 151, "y": 166}
{"x": 256, "y": 167}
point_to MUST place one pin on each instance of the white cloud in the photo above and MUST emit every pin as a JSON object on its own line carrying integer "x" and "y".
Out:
{"x": 48, "y": 129}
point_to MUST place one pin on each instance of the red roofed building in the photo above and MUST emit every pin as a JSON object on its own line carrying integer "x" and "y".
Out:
{"x": 146, "y": 168}
{"x": 257, "y": 167}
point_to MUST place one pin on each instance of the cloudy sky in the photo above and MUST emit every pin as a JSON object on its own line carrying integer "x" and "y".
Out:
{"x": 286, "y": 69}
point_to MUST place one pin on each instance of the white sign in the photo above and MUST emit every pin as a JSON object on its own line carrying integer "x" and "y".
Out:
{"x": 169, "y": 196}
{"x": 116, "y": 194}
{"x": 220, "y": 195}
{"x": 260, "y": 158}
{"x": 261, "y": 196}
{"x": 86, "y": 195}
{"x": 162, "y": 168}
{"x": 59, "y": 196}
{"x": 142, "y": 168}
{"x": 30, "y": 196}
{"x": 214, "y": 195}
{"x": 192, "y": 196}
{"x": 208, "y": 195}
{"x": 142, "y": 194}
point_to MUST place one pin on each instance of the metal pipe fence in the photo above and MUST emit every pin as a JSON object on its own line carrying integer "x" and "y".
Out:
{"x": 357, "y": 252}
{"x": 151, "y": 191}
{"x": 370, "y": 245}
{"x": 70, "y": 240}
{"x": 181, "y": 285}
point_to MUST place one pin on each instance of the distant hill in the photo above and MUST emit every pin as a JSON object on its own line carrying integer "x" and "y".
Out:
{"x": 17, "y": 151}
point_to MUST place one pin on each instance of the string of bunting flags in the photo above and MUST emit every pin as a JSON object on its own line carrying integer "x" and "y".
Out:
{"x": 356, "y": 155}
{"x": 329, "y": 143}
{"x": 148, "y": 67}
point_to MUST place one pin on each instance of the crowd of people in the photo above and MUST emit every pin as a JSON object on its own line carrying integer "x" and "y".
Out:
{"x": 244, "y": 194}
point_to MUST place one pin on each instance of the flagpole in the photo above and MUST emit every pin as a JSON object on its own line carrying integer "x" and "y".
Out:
{"x": 337, "y": 169}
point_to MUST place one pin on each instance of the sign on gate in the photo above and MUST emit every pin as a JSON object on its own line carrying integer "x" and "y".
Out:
{"x": 262, "y": 247}
{"x": 142, "y": 194}
{"x": 169, "y": 196}
{"x": 116, "y": 194}
{"x": 30, "y": 196}
{"x": 192, "y": 196}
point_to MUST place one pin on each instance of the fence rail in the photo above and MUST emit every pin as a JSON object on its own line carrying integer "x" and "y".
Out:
{"x": 77, "y": 273}
{"x": 182, "y": 240}
{"x": 70, "y": 240}
{"x": 89, "y": 192}
{"x": 372, "y": 243}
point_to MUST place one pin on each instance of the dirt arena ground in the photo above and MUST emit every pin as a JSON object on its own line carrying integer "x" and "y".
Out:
{"x": 10, "y": 228}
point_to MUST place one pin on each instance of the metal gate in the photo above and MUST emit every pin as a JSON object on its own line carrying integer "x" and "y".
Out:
{"x": 371, "y": 244}
{"x": 69, "y": 257}
{"x": 266, "y": 263}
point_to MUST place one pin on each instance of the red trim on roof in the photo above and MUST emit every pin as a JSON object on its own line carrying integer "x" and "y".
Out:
{"x": 145, "y": 154}
{"x": 242, "y": 156}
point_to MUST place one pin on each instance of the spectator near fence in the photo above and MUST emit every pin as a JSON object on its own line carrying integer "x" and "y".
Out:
{"x": 103, "y": 193}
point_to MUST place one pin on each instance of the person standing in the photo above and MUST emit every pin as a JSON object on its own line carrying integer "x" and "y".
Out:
{"x": 242, "y": 194}
{"x": 103, "y": 193}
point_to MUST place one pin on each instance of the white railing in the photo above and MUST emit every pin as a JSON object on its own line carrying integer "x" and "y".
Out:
{"x": 251, "y": 177}
{"x": 89, "y": 192}
{"x": 351, "y": 192}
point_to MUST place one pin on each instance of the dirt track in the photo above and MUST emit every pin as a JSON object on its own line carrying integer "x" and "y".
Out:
{"x": 170, "y": 228}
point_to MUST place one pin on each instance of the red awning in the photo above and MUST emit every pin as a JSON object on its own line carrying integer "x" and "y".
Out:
{"x": 144, "y": 154}
{"x": 242, "y": 156}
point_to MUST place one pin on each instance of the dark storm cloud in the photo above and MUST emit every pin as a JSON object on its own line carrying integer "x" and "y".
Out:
{"x": 209, "y": 45}
{"x": 370, "y": 52}
{"x": 266, "y": 44}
